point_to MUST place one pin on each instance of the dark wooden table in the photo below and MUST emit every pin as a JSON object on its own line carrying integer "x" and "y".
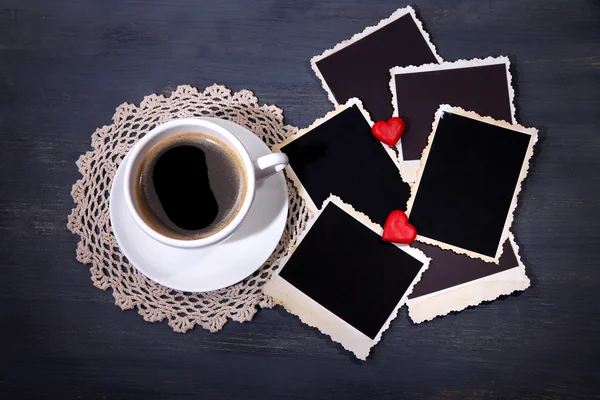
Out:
{"x": 66, "y": 64}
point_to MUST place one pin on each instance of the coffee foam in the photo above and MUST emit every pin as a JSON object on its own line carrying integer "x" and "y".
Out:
{"x": 222, "y": 180}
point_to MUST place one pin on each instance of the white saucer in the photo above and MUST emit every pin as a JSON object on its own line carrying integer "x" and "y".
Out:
{"x": 217, "y": 266}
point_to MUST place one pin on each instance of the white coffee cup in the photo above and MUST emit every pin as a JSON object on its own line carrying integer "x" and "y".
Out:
{"x": 255, "y": 170}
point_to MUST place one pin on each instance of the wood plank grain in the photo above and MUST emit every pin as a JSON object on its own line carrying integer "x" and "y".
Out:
{"x": 64, "y": 67}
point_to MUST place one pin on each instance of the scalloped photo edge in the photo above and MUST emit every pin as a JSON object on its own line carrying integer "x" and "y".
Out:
{"x": 457, "y": 298}
{"x": 399, "y": 13}
{"x": 409, "y": 167}
{"x": 315, "y": 315}
{"x": 339, "y": 109}
{"x": 533, "y": 132}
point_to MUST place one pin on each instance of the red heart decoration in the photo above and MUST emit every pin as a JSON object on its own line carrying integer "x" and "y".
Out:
{"x": 397, "y": 229}
{"x": 389, "y": 131}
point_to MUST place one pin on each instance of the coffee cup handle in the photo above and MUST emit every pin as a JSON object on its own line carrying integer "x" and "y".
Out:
{"x": 270, "y": 164}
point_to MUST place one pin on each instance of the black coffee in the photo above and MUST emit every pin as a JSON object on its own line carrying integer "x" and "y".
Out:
{"x": 191, "y": 186}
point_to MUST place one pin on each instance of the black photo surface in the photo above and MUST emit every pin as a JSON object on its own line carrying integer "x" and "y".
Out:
{"x": 362, "y": 69}
{"x": 468, "y": 183}
{"x": 346, "y": 267}
{"x": 342, "y": 157}
{"x": 483, "y": 89}
{"x": 448, "y": 269}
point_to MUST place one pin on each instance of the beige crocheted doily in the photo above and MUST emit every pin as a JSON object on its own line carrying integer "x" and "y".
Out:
{"x": 90, "y": 217}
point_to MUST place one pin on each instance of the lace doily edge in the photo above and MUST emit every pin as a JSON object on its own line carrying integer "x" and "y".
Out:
{"x": 122, "y": 112}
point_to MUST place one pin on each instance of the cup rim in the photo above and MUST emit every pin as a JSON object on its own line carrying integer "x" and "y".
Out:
{"x": 135, "y": 153}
